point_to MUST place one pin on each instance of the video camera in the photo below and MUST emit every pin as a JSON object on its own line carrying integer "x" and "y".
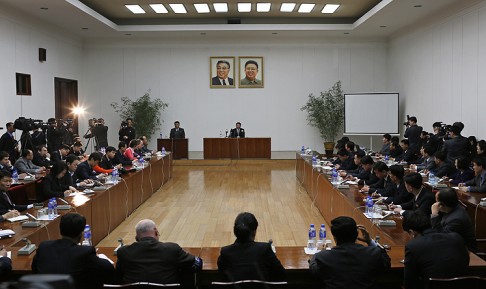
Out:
{"x": 27, "y": 124}
{"x": 124, "y": 124}
{"x": 408, "y": 121}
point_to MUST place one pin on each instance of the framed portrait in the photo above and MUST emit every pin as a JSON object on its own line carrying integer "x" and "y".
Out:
{"x": 222, "y": 70}
{"x": 251, "y": 72}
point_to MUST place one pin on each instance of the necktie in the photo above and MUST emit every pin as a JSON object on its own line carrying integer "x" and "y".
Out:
{"x": 224, "y": 82}
{"x": 238, "y": 132}
{"x": 7, "y": 199}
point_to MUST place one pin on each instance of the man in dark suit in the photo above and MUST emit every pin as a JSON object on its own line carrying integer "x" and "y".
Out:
{"x": 431, "y": 254}
{"x": 127, "y": 131}
{"x": 8, "y": 143}
{"x": 177, "y": 131}
{"x": 478, "y": 184}
{"x": 378, "y": 180}
{"x": 449, "y": 216}
{"x": 5, "y": 263}
{"x": 422, "y": 200}
{"x": 246, "y": 259}
{"x": 5, "y": 164}
{"x": 237, "y": 131}
{"x": 409, "y": 154}
{"x": 443, "y": 168}
{"x": 398, "y": 194}
{"x": 412, "y": 133}
{"x": 65, "y": 256}
{"x": 346, "y": 161}
{"x": 7, "y": 208}
{"x": 40, "y": 157}
{"x": 148, "y": 260}
{"x": 120, "y": 157}
{"x": 61, "y": 154}
{"x": 349, "y": 265}
{"x": 85, "y": 170}
{"x": 456, "y": 147}
{"x": 222, "y": 70}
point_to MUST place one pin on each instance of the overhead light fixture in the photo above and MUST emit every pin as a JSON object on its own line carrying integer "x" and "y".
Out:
{"x": 330, "y": 8}
{"x": 159, "y": 8}
{"x": 244, "y": 7}
{"x": 417, "y": 6}
{"x": 263, "y": 7}
{"x": 178, "y": 8}
{"x": 220, "y": 7}
{"x": 202, "y": 8}
{"x": 136, "y": 9}
{"x": 44, "y": 8}
{"x": 306, "y": 8}
{"x": 287, "y": 7}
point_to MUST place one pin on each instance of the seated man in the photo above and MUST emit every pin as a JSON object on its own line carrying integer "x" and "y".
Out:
{"x": 478, "y": 184}
{"x": 380, "y": 181}
{"x": 85, "y": 170}
{"x": 7, "y": 208}
{"x": 148, "y": 260}
{"x": 430, "y": 254}
{"x": 396, "y": 150}
{"x": 77, "y": 150}
{"x": 398, "y": 194}
{"x": 346, "y": 162}
{"x": 409, "y": 154}
{"x": 120, "y": 157}
{"x": 106, "y": 163}
{"x": 41, "y": 157}
{"x": 442, "y": 167}
{"x": 349, "y": 265}
{"x": 363, "y": 174}
{"x": 449, "y": 216}
{"x": 426, "y": 162}
{"x": 422, "y": 200}
{"x": 385, "y": 150}
{"x": 463, "y": 173}
{"x": 5, "y": 164}
{"x": 24, "y": 164}
{"x": 65, "y": 256}
{"x": 70, "y": 178}
{"x": 61, "y": 154}
{"x": 238, "y": 131}
{"x": 144, "y": 148}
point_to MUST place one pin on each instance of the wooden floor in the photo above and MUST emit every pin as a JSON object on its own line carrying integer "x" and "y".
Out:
{"x": 197, "y": 207}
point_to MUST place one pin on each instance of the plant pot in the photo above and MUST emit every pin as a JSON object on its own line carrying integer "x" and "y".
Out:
{"x": 329, "y": 148}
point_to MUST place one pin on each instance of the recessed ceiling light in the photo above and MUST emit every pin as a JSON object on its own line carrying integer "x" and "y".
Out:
{"x": 159, "y": 8}
{"x": 220, "y": 7}
{"x": 244, "y": 7}
{"x": 330, "y": 8}
{"x": 287, "y": 7}
{"x": 44, "y": 8}
{"x": 346, "y": 33}
{"x": 136, "y": 9}
{"x": 306, "y": 8}
{"x": 203, "y": 33}
{"x": 274, "y": 33}
{"x": 202, "y": 8}
{"x": 178, "y": 8}
{"x": 85, "y": 28}
{"x": 263, "y": 7}
{"x": 417, "y": 6}
{"x": 383, "y": 26}
{"x": 128, "y": 34}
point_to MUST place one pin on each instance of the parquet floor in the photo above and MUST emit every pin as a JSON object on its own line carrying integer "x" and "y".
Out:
{"x": 197, "y": 207}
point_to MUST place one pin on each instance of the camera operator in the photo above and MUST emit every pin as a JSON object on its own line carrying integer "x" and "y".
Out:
{"x": 66, "y": 130}
{"x": 38, "y": 137}
{"x": 413, "y": 133}
{"x": 54, "y": 136}
{"x": 99, "y": 131}
{"x": 8, "y": 143}
{"x": 127, "y": 132}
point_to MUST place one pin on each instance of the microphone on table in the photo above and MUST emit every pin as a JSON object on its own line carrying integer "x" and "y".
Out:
{"x": 31, "y": 224}
{"x": 66, "y": 205}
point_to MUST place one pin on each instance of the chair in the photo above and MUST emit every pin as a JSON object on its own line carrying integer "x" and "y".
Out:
{"x": 18, "y": 195}
{"x": 466, "y": 282}
{"x": 248, "y": 284}
{"x": 142, "y": 285}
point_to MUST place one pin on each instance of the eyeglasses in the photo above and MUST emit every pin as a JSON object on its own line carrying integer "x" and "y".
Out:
{"x": 221, "y": 68}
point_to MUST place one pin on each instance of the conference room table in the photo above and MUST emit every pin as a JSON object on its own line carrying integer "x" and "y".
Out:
{"x": 237, "y": 148}
{"x": 179, "y": 147}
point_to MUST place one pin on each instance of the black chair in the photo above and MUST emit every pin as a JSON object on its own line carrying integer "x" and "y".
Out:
{"x": 248, "y": 284}
{"x": 466, "y": 282}
{"x": 143, "y": 285}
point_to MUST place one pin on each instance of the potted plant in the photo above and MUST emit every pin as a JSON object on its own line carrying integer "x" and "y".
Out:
{"x": 145, "y": 112}
{"x": 326, "y": 113}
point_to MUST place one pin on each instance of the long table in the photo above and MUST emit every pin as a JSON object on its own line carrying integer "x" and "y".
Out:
{"x": 237, "y": 148}
{"x": 178, "y": 146}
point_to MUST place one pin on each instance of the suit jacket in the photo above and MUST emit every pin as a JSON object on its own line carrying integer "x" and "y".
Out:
{"x": 475, "y": 185}
{"x": 456, "y": 148}
{"x": 461, "y": 176}
{"x": 7, "y": 143}
{"x": 121, "y": 159}
{"x": 57, "y": 156}
{"x": 128, "y": 132}
{"x": 106, "y": 163}
{"x": 413, "y": 134}
{"x": 41, "y": 161}
{"x": 149, "y": 260}
{"x": 84, "y": 171}
{"x": 459, "y": 222}
{"x": 385, "y": 188}
{"x": 26, "y": 166}
{"x": 408, "y": 156}
{"x": 70, "y": 180}
{"x": 244, "y": 260}
{"x": 215, "y": 81}
{"x": 399, "y": 195}
{"x": 349, "y": 265}
{"x": 5, "y": 267}
{"x": 6, "y": 204}
{"x": 397, "y": 152}
{"x": 348, "y": 164}
{"x": 385, "y": 150}
{"x": 64, "y": 257}
{"x": 100, "y": 133}
{"x": 234, "y": 133}
{"x": 445, "y": 169}
{"x": 437, "y": 255}
{"x": 423, "y": 202}
{"x": 53, "y": 187}
{"x": 177, "y": 134}
{"x": 426, "y": 164}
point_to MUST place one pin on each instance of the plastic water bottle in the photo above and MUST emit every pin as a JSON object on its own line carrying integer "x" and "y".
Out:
{"x": 369, "y": 207}
{"x": 141, "y": 160}
{"x": 311, "y": 243}
{"x": 314, "y": 161}
{"x": 302, "y": 150}
{"x": 163, "y": 151}
{"x": 87, "y": 236}
{"x": 50, "y": 210}
{"x": 15, "y": 175}
{"x": 113, "y": 176}
{"x": 160, "y": 135}
{"x": 432, "y": 179}
{"x": 322, "y": 236}
{"x": 334, "y": 177}
{"x": 386, "y": 159}
{"x": 54, "y": 207}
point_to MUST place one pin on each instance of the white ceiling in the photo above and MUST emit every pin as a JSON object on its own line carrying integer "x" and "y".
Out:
{"x": 71, "y": 16}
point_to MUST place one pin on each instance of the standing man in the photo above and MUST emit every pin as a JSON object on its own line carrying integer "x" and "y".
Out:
{"x": 237, "y": 131}
{"x": 177, "y": 131}
{"x": 334, "y": 266}
{"x": 457, "y": 146}
{"x": 100, "y": 132}
{"x": 127, "y": 131}
{"x": 149, "y": 260}
{"x": 222, "y": 70}
{"x": 8, "y": 143}
{"x": 54, "y": 136}
{"x": 413, "y": 133}
{"x": 251, "y": 72}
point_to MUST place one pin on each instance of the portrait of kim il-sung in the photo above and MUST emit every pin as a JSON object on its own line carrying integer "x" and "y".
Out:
{"x": 222, "y": 72}
{"x": 251, "y": 72}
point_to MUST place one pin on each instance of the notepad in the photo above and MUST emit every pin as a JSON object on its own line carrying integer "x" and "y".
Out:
{"x": 18, "y": 218}
{"x": 6, "y": 232}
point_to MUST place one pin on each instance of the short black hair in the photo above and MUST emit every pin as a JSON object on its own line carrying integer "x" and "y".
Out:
{"x": 367, "y": 160}
{"x": 4, "y": 174}
{"x": 245, "y": 224}
{"x": 344, "y": 230}
{"x": 414, "y": 180}
{"x": 462, "y": 163}
{"x": 350, "y": 145}
{"x": 4, "y": 154}
{"x": 110, "y": 149}
{"x": 176, "y": 122}
{"x": 480, "y": 161}
{"x": 413, "y": 118}
{"x": 360, "y": 153}
{"x": 72, "y": 225}
{"x": 225, "y": 62}
{"x": 448, "y": 197}
{"x": 437, "y": 124}
{"x": 134, "y": 143}
{"x": 455, "y": 129}
{"x": 95, "y": 156}
{"x": 380, "y": 167}
{"x": 129, "y": 118}
{"x": 40, "y": 147}
{"x": 71, "y": 158}
{"x": 429, "y": 150}
{"x": 482, "y": 145}
{"x": 395, "y": 138}
{"x": 397, "y": 171}
{"x": 57, "y": 168}
{"x": 238, "y": 123}
{"x": 251, "y": 62}
{"x": 387, "y": 136}
{"x": 441, "y": 155}
{"x": 416, "y": 221}
{"x": 65, "y": 147}
{"x": 343, "y": 152}
{"x": 122, "y": 144}
{"x": 77, "y": 144}
{"x": 25, "y": 152}
{"x": 405, "y": 142}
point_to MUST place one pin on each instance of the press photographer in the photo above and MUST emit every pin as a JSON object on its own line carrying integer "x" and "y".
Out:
{"x": 54, "y": 135}
{"x": 99, "y": 131}
{"x": 413, "y": 133}
{"x": 127, "y": 131}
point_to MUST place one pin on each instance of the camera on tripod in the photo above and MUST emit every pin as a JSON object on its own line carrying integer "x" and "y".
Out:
{"x": 27, "y": 124}
{"x": 408, "y": 121}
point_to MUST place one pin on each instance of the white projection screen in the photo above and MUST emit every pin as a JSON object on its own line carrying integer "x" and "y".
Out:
{"x": 371, "y": 113}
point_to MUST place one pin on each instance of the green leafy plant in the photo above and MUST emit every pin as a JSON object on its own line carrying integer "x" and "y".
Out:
{"x": 145, "y": 112}
{"x": 326, "y": 112}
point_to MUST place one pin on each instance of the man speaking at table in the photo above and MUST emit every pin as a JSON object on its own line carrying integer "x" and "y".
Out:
{"x": 177, "y": 131}
{"x": 237, "y": 131}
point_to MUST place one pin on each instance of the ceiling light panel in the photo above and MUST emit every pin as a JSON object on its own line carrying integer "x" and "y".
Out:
{"x": 263, "y": 7}
{"x": 287, "y": 7}
{"x": 306, "y": 8}
{"x": 220, "y": 7}
{"x": 202, "y": 8}
{"x": 178, "y": 8}
{"x": 159, "y": 8}
{"x": 136, "y": 9}
{"x": 330, "y": 8}
{"x": 244, "y": 7}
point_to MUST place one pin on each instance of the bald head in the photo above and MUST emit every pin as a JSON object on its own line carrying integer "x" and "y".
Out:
{"x": 146, "y": 228}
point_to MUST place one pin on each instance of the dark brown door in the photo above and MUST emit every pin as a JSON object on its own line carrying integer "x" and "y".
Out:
{"x": 66, "y": 98}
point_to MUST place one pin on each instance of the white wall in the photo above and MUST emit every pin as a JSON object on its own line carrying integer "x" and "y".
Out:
{"x": 440, "y": 70}
{"x": 179, "y": 75}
